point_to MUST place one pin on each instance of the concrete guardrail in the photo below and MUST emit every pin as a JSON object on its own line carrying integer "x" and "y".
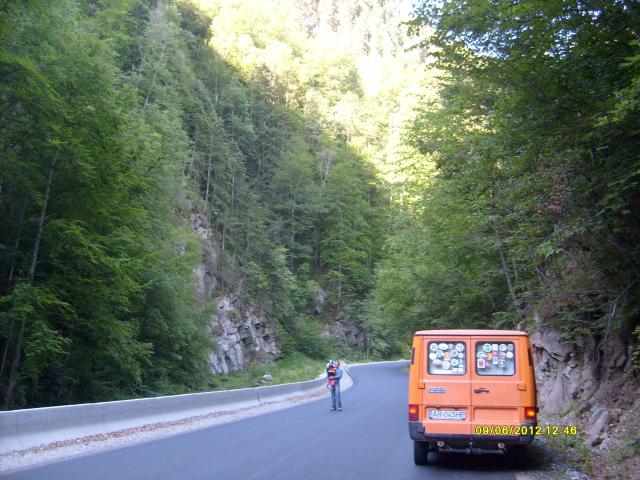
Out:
{"x": 28, "y": 428}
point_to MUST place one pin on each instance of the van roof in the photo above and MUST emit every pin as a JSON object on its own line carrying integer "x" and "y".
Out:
{"x": 467, "y": 333}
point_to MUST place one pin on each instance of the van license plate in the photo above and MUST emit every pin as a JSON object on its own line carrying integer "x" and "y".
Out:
{"x": 447, "y": 415}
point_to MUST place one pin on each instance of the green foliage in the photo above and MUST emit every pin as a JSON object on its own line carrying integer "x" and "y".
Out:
{"x": 533, "y": 137}
{"x": 44, "y": 346}
{"x": 293, "y": 368}
{"x": 120, "y": 126}
{"x": 309, "y": 340}
{"x": 104, "y": 176}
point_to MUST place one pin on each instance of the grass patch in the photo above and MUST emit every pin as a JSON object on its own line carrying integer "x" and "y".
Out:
{"x": 630, "y": 449}
{"x": 574, "y": 449}
{"x": 295, "y": 368}
{"x": 357, "y": 356}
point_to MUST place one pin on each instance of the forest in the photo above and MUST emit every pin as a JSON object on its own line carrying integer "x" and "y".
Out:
{"x": 464, "y": 164}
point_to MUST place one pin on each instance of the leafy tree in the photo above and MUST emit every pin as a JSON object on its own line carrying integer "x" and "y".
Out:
{"x": 534, "y": 163}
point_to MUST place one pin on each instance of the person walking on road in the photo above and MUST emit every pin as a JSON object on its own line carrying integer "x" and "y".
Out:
{"x": 336, "y": 401}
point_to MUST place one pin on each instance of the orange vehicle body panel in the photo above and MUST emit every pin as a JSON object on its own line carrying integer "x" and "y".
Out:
{"x": 463, "y": 380}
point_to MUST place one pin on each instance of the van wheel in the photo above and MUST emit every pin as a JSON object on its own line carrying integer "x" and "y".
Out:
{"x": 420, "y": 453}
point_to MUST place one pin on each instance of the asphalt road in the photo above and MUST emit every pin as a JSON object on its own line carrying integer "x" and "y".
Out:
{"x": 369, "y": 440}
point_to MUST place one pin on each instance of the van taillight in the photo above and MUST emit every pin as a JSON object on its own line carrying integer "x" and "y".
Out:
{"x": 413, "y": 413}
{"x": 530, "y": 413}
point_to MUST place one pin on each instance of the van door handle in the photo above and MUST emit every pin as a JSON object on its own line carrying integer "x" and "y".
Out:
{"x": 481, "y": 390}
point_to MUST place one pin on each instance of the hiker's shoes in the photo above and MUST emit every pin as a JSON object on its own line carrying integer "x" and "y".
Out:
{"x": 340, "y": 409}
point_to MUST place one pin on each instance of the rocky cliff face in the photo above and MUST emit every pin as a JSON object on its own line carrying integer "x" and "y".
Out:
{"x": 347, "y": 332}
{"x": 592, "y": 385}
{"x": 242, "y": 334}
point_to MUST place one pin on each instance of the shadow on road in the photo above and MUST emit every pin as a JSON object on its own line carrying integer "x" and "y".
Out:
{"x": 531, "y": 458}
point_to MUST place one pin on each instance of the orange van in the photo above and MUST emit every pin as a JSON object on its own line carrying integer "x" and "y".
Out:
{"x": 471, "y": 391}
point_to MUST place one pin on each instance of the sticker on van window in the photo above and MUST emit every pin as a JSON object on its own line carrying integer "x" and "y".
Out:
{"x": 499, "y": 360}
{"x": 459, "y": 347}
{"x": 447, "y": 359}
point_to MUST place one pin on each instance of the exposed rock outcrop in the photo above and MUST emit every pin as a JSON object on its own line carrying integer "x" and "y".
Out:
{"x": 205, "y": 280}
{"x": 591, "y": 385}
{"x": 347, "y": 332}
{"x": 319, "y": 297}
{"x": 242, "y": 334}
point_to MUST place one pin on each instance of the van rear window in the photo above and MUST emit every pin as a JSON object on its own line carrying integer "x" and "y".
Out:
{"x": 447, "y": 358}
{"x": 495, "y": 358}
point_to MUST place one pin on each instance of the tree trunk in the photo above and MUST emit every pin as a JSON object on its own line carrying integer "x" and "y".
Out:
{"x": 326, "y": 161}
{"x": 516, "y": 276}
{"x": 293, "y": 233}
{"x": 339, "y": 286}
{"x": 193, "y": 152}
{"x": 17, "y": 352}
{"x": 507, "y": 276}
{"x": 5, "y": 351}
{"x": 153, "y": 80}
{"x": 233, "y": 183}
{"x": 366, "y": 337}
{"x": 206, "y": 195}
{"x": 16, "y": 244}
{"x": 500, "y": 234}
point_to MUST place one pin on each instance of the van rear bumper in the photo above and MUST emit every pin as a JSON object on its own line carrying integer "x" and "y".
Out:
{"x": 489, "y": 442}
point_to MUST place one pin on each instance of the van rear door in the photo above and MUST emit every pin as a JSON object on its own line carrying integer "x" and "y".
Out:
{"x": 444, "y": 381}
{"x": 497, "y": 381}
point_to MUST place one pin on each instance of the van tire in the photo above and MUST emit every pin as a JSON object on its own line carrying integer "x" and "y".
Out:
{"x": 420, "y": 453}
